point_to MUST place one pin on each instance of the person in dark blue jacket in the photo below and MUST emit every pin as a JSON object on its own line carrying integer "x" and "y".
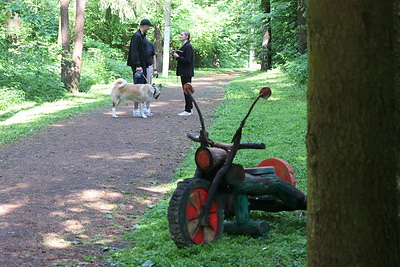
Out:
{"x": 185, "y": 68}
{"x": 151, "y": 70}
{"x": 137, "y": 59}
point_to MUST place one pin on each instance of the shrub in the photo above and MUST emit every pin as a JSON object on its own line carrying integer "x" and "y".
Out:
{"x": 297, "y": 70}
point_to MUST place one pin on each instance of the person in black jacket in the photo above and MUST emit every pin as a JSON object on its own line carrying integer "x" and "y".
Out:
{"x": 137, "y": 59}
{"x": 185, "y": 68}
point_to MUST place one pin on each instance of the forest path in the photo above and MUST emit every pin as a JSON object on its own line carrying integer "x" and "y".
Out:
{"x": 69, "y": 191}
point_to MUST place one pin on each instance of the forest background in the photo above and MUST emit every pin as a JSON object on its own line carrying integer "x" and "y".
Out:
{"x": 225, "y": 34}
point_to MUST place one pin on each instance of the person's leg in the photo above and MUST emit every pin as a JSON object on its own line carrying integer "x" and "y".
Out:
{"x": 135, "y": 81}
{"x": 188, "y": 99}
{"x": 149, "y": 74}
{"x": 139, "y": 80}
{"x": 149, "y": 81}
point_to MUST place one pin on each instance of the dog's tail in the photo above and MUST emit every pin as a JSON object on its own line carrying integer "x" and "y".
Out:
{"x": 121, "y": 82}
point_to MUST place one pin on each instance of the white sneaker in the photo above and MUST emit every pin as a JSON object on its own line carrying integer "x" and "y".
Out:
{"x": 136, "y": 113}
{"x": 147, "y": 112}
{"x": 185, "y": 113}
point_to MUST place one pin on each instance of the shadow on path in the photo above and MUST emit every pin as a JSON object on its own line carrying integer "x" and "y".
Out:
{"x": 73, "y": 188}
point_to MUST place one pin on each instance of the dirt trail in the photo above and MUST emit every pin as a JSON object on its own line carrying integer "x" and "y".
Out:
{"x": 70, "y": 190}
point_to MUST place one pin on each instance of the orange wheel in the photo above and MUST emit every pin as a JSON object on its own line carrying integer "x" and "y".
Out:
{"x": 282, "y": 169}
{"x": 184, "y": 212}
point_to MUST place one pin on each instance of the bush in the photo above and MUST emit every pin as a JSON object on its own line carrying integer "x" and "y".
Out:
{"x": 298, "y": 70}
{"x": 101, "y": 65}
{"x": 10, "y": 97}
{"x": 31, "y": 75}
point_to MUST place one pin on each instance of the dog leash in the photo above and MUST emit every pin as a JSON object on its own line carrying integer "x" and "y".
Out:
{"x": 153, "y": 86}
{"x": 147, "y": 81}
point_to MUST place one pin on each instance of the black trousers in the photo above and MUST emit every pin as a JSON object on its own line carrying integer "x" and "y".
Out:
{"x": 188, "y": 99}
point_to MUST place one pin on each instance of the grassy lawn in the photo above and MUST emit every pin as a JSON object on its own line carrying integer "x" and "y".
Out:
{"x": 280, "y": 123}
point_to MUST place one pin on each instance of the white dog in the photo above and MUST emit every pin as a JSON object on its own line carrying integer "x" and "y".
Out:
{"x": 135, "y": 92}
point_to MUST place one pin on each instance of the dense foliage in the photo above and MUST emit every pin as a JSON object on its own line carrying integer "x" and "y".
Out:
{"x": 223, "y": 34}
{"x": 28, "y": 54}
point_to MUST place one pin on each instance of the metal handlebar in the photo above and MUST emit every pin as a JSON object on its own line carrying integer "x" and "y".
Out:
{"x": 225, "y": 146}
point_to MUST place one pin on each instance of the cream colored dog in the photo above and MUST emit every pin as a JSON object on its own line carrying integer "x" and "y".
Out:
{"x": 135, "y": 92}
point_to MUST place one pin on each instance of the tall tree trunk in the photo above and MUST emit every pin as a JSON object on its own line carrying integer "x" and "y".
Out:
{"x": 301, "y": 27}
{"x": 13, "y": 24}
{"x": 266, "y": 60}
{"x": 396, "y": 41}
{"x": 158, "y": 43}
{"x": 65, "y": 41}
{"x": 352, "y": 135}
{"x": 167, "y": 33}
{"x": 75, "y": 69}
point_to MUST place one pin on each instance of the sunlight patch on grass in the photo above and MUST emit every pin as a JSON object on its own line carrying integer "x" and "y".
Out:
{"x": 23, "y": 121}
{"x": 48, "y": 108}
{"x": 25, "y": 105}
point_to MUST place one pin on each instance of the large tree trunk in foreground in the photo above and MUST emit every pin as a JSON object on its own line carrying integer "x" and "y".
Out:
{"x": 396, "y": 56}
{"x": 353, "y": 135}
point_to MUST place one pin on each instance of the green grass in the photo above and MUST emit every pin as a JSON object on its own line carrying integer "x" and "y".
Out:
{"x": 280, "y": 123}
{"x": 28, "y": 117}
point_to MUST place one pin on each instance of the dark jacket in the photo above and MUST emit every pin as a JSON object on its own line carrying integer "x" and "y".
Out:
{"x": 137, "y": 54}
{"x": 185, "y": 61}
{"x": 149, "y": 52}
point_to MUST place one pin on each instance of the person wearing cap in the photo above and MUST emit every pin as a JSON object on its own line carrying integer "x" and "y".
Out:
{"x": 185, "y": 68}
{"x": 137, "y": 59}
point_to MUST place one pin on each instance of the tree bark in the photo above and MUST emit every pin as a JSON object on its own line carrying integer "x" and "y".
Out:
{"x": 266, "y": 60}
{"x": 301, "y": 27}
{"x": 353, "y": 135}
{"x": 13, "y": 21}
{"x": 13, "y": 24}
{"x": 396, "y": 44}
{"x": 167, "y": 32}
{"x": 65, "y": 41}
{"x": 158, "y": 43}
{"x": 75, "y": 68}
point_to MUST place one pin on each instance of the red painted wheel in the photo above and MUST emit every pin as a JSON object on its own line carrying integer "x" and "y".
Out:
{"x": 282, "y": 169}
{"x": 184, "y": 212}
